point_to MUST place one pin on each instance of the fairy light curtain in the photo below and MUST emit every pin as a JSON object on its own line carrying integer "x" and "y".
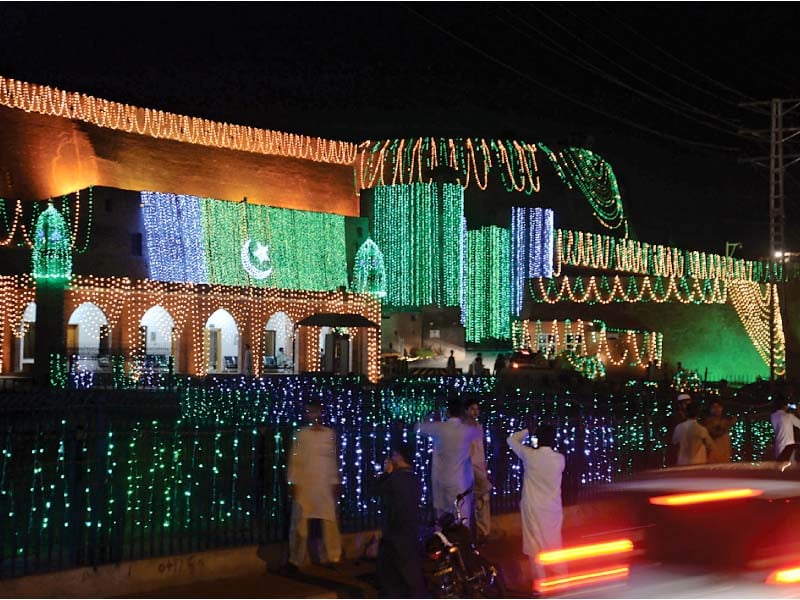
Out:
{"x": 488, "y": 306}
{"x": 419, "y": 229}
{"x": 531, "y": 249}
{"x": 202, "y": 240}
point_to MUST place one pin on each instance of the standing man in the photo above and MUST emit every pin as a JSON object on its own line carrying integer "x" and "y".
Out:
{"x": 451, "y": 364}
{"x": 692, "y": 439}
{"x": 784, "y": 422}
{"x": 540, "y": 508}
{"x": 719, "y": 428}
{"x": 314, "y": 478}
{"x": 483, "y": 486}
{"x": 399, "y": 569}
{"x": 281, "y": 359}
{"x": 451, "y": 473}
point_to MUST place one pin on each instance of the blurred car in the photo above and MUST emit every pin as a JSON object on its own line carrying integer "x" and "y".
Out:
{"x": 712, "y": 531}
{"x": 525, "y": 359}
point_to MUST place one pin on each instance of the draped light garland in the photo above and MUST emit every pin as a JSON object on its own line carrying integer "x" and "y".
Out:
{"x": 569, "y": 338}
{"x": 753, "y": 309}
{"x": 16, "y": 293}
{"x": 18, "y": 233}
{"x": 597, "y": 251}
{"x": 401, "y": 161}
{"x": 595, "y": 179}
{"x": 419, "y": 228}
{"x": 601, "y": 290}
{"x": 488, "y": 306}
{"x": 165, "y": 125}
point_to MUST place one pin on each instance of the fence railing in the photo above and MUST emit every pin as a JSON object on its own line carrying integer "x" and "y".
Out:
{"x": 95, "y": 476}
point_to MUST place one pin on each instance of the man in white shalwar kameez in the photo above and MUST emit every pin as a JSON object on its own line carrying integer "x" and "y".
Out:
{"x": 483, "y": 485}
{"x": 451, "y": 473}
{"x": 314, "y": 476}
{"x": 540, "y": 508}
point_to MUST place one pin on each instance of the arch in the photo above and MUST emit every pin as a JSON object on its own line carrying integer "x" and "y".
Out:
{"x": 279, "y": 334}
{"x": 88, "y": 332}
{"x": 222, "y": 343}
{"x": 157, "y": 328}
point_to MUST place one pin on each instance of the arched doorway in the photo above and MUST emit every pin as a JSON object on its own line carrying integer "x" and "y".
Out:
{"x": 89, "y": 337}
{"x": 26, "y": 339}
{"x": 156, "y": 338}
{"x": 222, "y": 343}
{"x": 279, "y": 342}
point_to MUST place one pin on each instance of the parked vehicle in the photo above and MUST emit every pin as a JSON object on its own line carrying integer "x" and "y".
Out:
{"x": 452, "y": 565}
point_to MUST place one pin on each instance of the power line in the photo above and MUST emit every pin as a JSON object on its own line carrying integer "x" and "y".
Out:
{"x": 650, "y": 43}
{"x": 651, "y": 64}
{"x": 559, "y": 93}
{"x": 581, "y": 39}
{"x": 605, "y": 75}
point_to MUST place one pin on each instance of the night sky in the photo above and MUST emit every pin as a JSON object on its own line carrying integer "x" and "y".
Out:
{"x": 651, "y": 87}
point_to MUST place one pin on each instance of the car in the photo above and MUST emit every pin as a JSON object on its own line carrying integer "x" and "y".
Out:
{"x": 526, "y": 359}
{"x": 713, "y": 531}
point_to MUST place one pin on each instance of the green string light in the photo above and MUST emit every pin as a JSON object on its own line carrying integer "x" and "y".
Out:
{"x": 305, "y": 250}
{"x": 488, "y": 307}
{"x": 369, "y": 272}
{"x": 52, "y": 252}
{"x": 419, "y": 229}
{"x": 595, "y": 179}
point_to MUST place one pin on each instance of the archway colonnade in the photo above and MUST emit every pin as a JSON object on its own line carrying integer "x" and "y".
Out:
{"x": 151, "y": 318}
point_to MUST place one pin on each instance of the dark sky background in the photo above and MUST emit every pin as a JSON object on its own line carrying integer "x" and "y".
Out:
{"x": 654, "y": 88}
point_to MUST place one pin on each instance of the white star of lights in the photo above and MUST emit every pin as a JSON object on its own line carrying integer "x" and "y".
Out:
{"x": 261, "y": 252}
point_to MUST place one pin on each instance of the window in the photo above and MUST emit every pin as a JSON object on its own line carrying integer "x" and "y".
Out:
{"x": 136, "y": 244}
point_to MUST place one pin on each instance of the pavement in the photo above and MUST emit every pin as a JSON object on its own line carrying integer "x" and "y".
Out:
{"x": 349, "y": 579}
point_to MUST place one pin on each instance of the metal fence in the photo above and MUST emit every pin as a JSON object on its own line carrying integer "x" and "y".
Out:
{"x": 97, "y": 476}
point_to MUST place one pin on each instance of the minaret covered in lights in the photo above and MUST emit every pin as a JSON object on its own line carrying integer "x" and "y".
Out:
{"x": 52, "y": 270}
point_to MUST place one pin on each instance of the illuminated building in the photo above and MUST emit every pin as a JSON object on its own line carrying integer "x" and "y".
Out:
{"x": 191, "y": 239}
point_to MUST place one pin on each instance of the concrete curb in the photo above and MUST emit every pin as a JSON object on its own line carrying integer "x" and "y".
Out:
{"x": 145, "y": 576}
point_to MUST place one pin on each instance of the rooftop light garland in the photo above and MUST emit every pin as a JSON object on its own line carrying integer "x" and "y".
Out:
{"x": 165, "y": 125}
{"x": 400, "y": 161}
{"x": 597, "y": 251}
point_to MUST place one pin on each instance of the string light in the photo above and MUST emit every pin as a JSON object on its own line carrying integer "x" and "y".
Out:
{"x": 369, "y": 272}
{"x": 488, "y": 305}
{"x": 201, "y": 240}
{"x": 164, "y": 125}
{"x": 18, "y": 229}
{"x": 531, "y": 249}
{"x": 599, "y": 290}
{"x": 595, "y": 179}
{"x": 419, "y": 228}
{"x": 406, "y": 161}
{"x": 52, "y": 250}
{"x": 596, "y": 251}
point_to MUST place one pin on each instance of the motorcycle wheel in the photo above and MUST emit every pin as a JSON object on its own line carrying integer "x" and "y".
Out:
{"x": 493, "y": 583}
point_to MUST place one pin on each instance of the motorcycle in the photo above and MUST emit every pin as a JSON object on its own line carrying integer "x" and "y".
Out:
{"x": 452, "y": 565}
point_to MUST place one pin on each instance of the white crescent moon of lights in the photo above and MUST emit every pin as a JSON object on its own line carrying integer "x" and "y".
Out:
{"x": 248, "y": 265}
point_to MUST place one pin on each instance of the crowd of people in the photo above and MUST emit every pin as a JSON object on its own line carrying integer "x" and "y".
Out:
{"x": 459, "y": 464}
{"x": 702, "y": 440}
